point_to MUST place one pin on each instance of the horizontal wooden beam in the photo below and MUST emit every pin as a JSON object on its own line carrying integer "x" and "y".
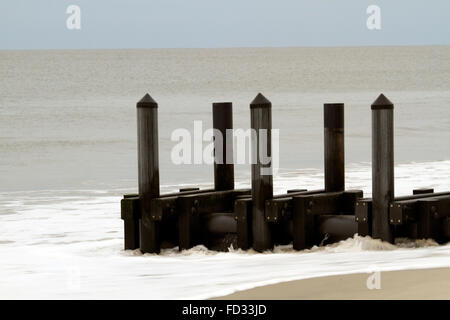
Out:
{"x": 342, "y": 202}
{"x": 165, "y": 206}
{"x": 280, "y": 206}
{"x": 423, "y": 191}
{"x": 296, "y": 190}
{"x": 404, "y": 211}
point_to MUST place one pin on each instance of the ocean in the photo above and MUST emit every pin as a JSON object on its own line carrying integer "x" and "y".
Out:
{"x": 68, "y": 153}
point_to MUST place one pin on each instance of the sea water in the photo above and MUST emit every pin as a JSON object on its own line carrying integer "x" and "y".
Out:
{"x": 68, "y": 153}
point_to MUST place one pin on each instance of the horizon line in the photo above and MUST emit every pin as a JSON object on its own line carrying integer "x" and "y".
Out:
{"x": 227, "y": 48}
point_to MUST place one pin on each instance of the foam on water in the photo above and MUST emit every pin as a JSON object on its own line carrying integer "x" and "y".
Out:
{"x": 68, "y": 244}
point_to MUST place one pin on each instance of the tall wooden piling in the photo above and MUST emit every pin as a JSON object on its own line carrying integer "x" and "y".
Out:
{"x": 147, "y": 124}
{"x": 262, "y": 182}
{"x": 223, "y": 160}
{"x": 382, "y": 166}
{"x": 334, "y": 156}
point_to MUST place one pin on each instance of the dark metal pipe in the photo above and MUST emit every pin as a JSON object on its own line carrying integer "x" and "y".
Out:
{"x": 147, "y": 123}
{"x": 382, "y": 166}
{"x": 334, "y": 147}
{"x": 223, "y": 161}
{"x": 220, "y": 223}
{"x": 334, "y": 228}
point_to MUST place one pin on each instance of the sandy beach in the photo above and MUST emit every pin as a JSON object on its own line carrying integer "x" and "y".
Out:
{"x": 406, "y": 284}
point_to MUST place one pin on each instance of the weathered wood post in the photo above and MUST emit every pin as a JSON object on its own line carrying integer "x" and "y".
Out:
{"x": 333, "y": 116}
{"x": 131, "y": 215}
{"x": 223, "y": 160}
{"x": 382, "y": 166}
{"x": 262, "y": 183}
{"x": 147, "y": 123}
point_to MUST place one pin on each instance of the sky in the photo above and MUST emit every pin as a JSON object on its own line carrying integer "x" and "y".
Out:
{"x": 41, "y": 24}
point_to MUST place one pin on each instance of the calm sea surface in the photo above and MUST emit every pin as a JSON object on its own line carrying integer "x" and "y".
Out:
{"x": 68, "y": 118}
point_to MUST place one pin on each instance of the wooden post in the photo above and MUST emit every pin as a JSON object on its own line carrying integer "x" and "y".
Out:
{"x": 262, "y": 184}
{"x": 224, "y": 168}
{"x": 131, "y": 215}
{"x": 187, "y": 221}
{"x": 243, "y": 214}
{"x": 334, "y": 147}
{"x": 300, "y": 221}
{"x": 382, "y": 166}
{"x": 147, "y": 122}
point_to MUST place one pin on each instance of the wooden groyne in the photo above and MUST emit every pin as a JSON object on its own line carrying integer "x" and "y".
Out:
{"x": 255, "y": 218}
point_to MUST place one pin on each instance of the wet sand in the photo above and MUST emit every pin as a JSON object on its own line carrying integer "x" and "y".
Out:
{"x": 405, "y": 284}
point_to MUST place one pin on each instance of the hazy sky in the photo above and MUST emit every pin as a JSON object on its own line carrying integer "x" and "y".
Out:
{"x": 29, "y": 24}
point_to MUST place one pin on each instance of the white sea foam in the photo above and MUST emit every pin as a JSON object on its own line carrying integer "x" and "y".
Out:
{"x": 68, "y": 244}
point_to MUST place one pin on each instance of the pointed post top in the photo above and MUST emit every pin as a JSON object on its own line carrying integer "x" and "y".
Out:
{"x": 382, "y": 103}
{"x": 147, "y": 102}
{"x": 260, "y": 102}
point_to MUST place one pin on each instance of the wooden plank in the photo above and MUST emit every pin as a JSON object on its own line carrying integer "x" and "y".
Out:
{"x": 296, "y": 190}
{"x": 350, "y": 197}
{"x": 165, "y": 205}
{"x": 130, "y": 214}
{"x": 442, "y": 208}
{"x": 404, "y": 211}
{"x": 243, "y": 216}
{"x": 220, "y": 201}
{"x": 423, "y": 191}
{"x": 446, "y": 228}
{"x": 130, "y": 209}
{"x": 189, "y": 189}
{"x": 432, "y": 214}
{"x": 324, "y": 203}
{"x": 363, "y": 216}
{"x": 131, "y": 234}
{"x": 280, "y": 206}
{"x": 427, "y": 226}
{"x": 302, "y": 222}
